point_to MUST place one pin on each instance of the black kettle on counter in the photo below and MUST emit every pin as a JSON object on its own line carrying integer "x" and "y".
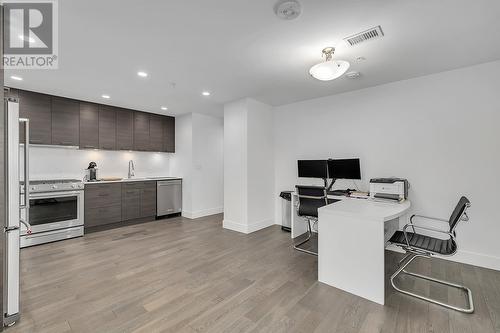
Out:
{"x": 92, "y": 172}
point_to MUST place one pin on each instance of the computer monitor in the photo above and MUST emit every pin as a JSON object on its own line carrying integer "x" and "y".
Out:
{"x": 344, "y": 169}
{"x": 313, "y": 169}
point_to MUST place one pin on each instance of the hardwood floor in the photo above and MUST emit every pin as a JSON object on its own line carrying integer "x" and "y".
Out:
{"x": 180, "y": 275}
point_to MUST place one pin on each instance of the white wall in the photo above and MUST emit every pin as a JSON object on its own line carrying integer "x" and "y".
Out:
{"x": 235, "y": 164}
{"x": 260, "y": 164}
{"x": 441, "y": 132}
{"x": 199, "y": 161}
{"x": 208, "y": 165}
{"x": 57, "y": 163}
{"x": 248, "y": 165}
{"x": 181, "y": 162}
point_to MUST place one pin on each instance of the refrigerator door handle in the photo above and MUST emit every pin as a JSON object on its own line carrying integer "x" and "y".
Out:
{"x": 26, "y": 205}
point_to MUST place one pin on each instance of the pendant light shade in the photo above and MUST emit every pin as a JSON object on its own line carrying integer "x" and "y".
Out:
{"x": 329, "y": 69}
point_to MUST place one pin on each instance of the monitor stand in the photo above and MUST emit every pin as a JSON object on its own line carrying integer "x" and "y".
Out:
{"x": 329, "y": 187}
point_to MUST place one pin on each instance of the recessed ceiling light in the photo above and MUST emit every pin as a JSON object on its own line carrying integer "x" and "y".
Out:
{"x": 17, "y": 78}
{"x": 142, "y": 74}
{"x": 206, "y": 93}
{"x": 164, "y": 108}
{"x": 106, "y": 96}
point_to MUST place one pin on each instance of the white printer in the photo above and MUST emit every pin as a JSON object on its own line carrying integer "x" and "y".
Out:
{"x": 391, "y": 189}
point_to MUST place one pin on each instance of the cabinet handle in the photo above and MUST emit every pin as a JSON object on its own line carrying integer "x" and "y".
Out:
{"x": 66, "y": 143}
{"x": 90, "y": 147}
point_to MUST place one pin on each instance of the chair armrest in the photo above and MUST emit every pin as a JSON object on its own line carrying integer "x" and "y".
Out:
{"x": 426, "y": 218}
{"x": 312, "y": 197}
{"x": 452, "y": 236}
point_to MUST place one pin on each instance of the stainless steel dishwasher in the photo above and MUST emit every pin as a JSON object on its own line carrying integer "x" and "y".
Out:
{"x": 168, "y": 197}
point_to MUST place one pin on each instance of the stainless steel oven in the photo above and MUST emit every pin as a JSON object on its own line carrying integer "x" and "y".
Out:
{"x": 56, "y": 212}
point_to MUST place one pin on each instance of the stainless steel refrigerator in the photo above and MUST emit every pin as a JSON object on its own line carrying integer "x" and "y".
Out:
{"x": 17, "y": 204}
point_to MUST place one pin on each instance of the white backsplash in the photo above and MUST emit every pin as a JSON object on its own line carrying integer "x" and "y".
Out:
{"x": 60, "y": 163}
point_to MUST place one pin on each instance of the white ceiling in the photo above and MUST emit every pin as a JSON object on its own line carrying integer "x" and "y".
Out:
{"x": 239, "y": 48}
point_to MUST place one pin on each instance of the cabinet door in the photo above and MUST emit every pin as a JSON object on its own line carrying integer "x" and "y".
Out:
{"x": 37, "y": 108}
{"x": 156, "y": 133}
{"x": 169, "y": 134}
{"x": 101, "y": 195}
{"x": 89, "y": 125}
{"x": 131, "y": 203}
{"x": 107, "y": 127}
{"x": 65, "y": 122}
{"x": 103, "y": 204}
{"x": 141, "y": 131}
{"x": 124, "y": 129}
{"x": 148, "y": 199}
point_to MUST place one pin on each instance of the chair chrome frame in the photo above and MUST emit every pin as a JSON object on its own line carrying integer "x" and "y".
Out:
{"x": 309, "y": 219}
{"x": 413, "y": 253}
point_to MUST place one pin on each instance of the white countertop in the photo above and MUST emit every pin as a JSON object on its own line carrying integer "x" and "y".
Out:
{"x": 135, "y": 179}
{"x": 367, "y": 208}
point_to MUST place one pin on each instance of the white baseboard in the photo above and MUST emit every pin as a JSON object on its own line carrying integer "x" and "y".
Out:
{"x": 477, "y": 259}
{"x": 465, "y": 257}
{"x": 202, "y": 213}
{"x": 231, "y": 225}
{"x": 246, "y": 229}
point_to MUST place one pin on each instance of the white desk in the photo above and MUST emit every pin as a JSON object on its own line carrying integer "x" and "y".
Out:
{"x": 352, "y": 235}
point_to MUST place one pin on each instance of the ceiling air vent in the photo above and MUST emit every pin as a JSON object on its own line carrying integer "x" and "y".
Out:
{"x": 361, "y": 37}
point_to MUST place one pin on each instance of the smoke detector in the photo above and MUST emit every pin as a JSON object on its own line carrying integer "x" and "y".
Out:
{"x": 287, "y": 9}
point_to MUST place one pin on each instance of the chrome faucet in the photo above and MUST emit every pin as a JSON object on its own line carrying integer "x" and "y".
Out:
{"x": 131, "y": 169}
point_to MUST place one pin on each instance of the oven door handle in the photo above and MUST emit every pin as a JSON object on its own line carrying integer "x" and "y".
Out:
{"x": 49, "y": 195}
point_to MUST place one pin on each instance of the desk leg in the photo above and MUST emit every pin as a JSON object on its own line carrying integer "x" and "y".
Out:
{"x": 351, "y": 255}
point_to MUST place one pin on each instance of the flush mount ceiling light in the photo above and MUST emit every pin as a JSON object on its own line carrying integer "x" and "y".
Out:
{"x": 329, "y": 69}
{"x": 106, "y": 96}
{"x": 206, "y": 93}
{"x": 164, "y": 108}
{"x": 142, "y": 74}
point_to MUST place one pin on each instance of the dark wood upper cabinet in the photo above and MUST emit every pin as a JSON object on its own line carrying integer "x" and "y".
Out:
{"x": 169, "y": 134}
{"x": 124, "y": 129}
{"x": 107, "y": 127}
{"x": 65, "y": 122}
{"x": 62, "y": 121}
{"x": 155, "y": 133}
{"x": 141, "y": 131}
{"x": 37, "y": 108}
{"x": 89, "y": 125}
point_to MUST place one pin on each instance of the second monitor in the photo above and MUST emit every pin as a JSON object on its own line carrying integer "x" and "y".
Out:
{"x": 344, "y": 169}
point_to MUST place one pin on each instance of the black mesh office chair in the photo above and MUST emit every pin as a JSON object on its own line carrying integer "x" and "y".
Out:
{"x": 310, "y": 198}
{"x": 419, "y": 245}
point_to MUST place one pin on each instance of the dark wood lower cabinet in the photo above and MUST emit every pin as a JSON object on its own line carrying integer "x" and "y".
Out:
{"x": 98, "y": 216}
{"x": 131, "y": 201}
{"x": 119, "y": 202}
{"x": 148, "y": 199}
